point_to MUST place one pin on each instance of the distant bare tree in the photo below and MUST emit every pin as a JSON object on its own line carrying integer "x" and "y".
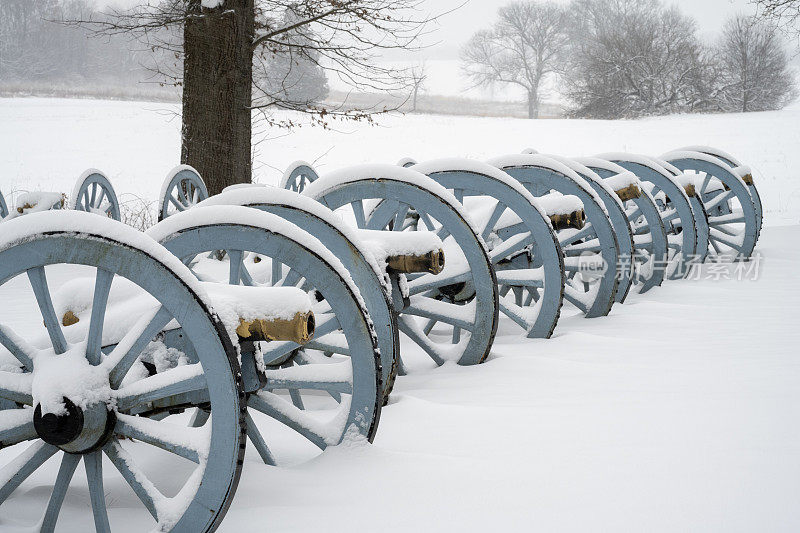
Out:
{"x": 418, "y": 75}
{"x": 522, "y": 48}
{"x": 633, "y": 57}
{"x": 754, "y": 69}
{"x": 785, "y": 13}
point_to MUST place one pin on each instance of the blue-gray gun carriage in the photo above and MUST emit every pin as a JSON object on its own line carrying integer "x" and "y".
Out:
{"x": 93, "y": 193}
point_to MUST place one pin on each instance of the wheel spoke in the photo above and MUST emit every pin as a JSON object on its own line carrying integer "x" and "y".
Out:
{"x": 526, "y": 277}
{"x": 512, "y": 311}
{"x": 287, "y": 414}
{"x": 358, "y": 212}
{"x": 93, "y": 463}
{"x": 16, "y": 425}
{"x": 178, "y": 381}
{"x": 14, "y": 473}
{"x": 719, "y": 199}
{"x": 497, "y": 212}
{"x": 170, "y": 437}
{"x": 400, "y": 217}
{"x": 511, "y": 246}
{"x": 69, "y": 463}
{"x": 38, "y": 280}
{"x": 20, "y": 349}
{"x": 102, "y": 286}
{"x": 409, "y": 326}
{"x": 235, "y": 270}
{"x": 127, "y": 351}
{"x": 571, "y": 238}
{"x": 453, "y": 314}
{"x": 258, "y": 441}
{"x": 144, "y": 489}
{"x": 334, "y": 343}
{"x": 429, "y": 282}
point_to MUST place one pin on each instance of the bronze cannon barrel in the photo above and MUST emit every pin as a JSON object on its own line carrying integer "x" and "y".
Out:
{"x": 299, "y": 329}
{"x": 431, "y": 262}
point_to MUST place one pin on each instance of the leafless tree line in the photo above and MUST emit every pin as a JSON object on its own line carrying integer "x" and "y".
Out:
{"x": 35, "y": 48}
{"x": 629, "y": 58}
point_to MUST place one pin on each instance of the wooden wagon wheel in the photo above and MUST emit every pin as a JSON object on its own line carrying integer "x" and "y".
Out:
{"x": 619, "y": 221}
{"x": 93, "y": 193}
{"x": 732, "y": 215}
{"x": 523, "y": 249}
{"x": 297, "y": 176}
{"x": 66, "y": 393}
{"x": 314, "y": 394}
{"x": 594, "y": 243}
{"x": 182, "y": 188}
{"x": 343, "y": 241}
{"x": 452, "y": 316}
{"x": 644, "y": 219}
{"x": 675, "y": 209}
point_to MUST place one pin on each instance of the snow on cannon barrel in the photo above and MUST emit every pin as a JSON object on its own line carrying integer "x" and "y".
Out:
{"x": 404, "y": 252}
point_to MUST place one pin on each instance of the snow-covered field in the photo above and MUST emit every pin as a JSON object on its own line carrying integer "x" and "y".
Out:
{"x": 678, "y": 412}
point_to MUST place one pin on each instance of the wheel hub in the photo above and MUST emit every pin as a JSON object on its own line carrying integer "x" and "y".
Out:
{"x": 77, "y": 430}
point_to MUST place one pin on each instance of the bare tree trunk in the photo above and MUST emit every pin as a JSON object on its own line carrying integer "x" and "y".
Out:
{"x": 416, "y": 92}
{"x": 217, "y": 92}
{"x": 533, "y": 104}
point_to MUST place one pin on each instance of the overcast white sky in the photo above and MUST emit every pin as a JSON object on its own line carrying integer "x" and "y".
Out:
{"x": 454, "y": 29}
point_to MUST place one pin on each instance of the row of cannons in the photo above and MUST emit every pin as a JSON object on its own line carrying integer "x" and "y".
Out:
{"x": 277, "y": 314}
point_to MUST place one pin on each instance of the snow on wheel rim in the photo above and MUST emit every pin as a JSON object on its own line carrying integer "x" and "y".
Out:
{"x": 297, "y": 176}
{"x": 731, "y": 208}
{"x": 94, "y": 193}
{"x": 389, "y": 197}
{"x": 591, "y": 252}
{"x": 649, "y": 237}
{"x": 344, "y": 242}
{"x": 341, "y": 361}
{"x": 522, "y": 246}
{"x": 675, "y": 210}
{"x": 100, "y": 381}
{"x": 181, "y": 190}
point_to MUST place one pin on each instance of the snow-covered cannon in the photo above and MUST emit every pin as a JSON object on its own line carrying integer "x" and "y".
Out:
{"x": 590, "y": 254}
{"x": 155, "y": 360}
{"x": 450, "y": 310}
{"x": 725, "y": 189}
{"x": 649, "y": 239}
{"x": 679, "y": 216}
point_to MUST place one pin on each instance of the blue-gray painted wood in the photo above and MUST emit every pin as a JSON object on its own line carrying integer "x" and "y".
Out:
{"x": 540, "y": 180}
{"x": 95, "y": 194}
{"x": 298, "y": 176}
{"x": 265, "y": 242}
{"x": 183, "y": 190}
{"x": 622, "y": 230}
{"x": 650, "y": 237}
{"x": 397, "y": 194}
{"x": 681, "y": 229}
{"x": 217, "y": 357}
{"x": 736, "y": 189}
{"x": 352, "y": 256}
{"x": 539, "y": 250}
{"x": 3, "y": 207}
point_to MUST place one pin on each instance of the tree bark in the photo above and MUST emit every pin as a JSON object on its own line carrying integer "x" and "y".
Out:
{"x": 533, "y": 104}
{"x": 217, "y": 92}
